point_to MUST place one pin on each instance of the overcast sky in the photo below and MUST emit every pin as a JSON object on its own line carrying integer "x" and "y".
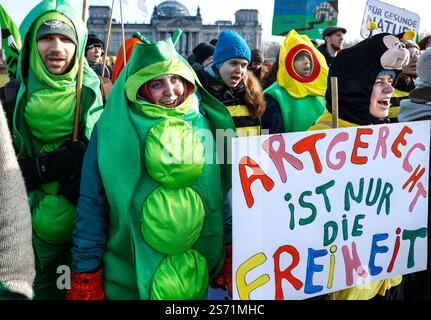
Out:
{"x": 350, "y": 12}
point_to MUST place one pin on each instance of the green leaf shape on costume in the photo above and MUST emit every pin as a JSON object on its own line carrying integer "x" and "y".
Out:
{"x": 54, "y": 219}
{"x": 172, "y": 219}
{"x": 181, "y": 277}
{"x": 174, "y": 154}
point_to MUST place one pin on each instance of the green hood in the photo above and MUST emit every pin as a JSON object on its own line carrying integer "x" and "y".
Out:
{"x": 31, "y": 82}
{"x": 160, "y": 59}
{"x": 60, "y": 6}
{"x": 155, "y": 64}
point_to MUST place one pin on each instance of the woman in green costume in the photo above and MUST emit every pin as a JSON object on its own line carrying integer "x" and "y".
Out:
{"x": 150, "y": 215}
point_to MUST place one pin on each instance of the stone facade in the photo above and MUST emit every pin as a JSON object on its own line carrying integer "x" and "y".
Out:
{"x": 167, "y": 17}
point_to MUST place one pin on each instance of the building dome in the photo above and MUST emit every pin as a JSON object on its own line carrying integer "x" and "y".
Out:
{"x": 170, "y": 9}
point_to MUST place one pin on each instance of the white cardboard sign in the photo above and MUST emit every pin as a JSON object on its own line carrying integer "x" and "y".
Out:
{"x": 320, "y": 211}
{"x": 389, "y": 18}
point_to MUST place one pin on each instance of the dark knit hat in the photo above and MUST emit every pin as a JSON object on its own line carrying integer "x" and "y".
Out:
{"x": 58, "y": 27}
{"x": 331, "y": 30}
{"x": 257, "y": 56}
{"x": 203, "y": 51}
{"x": 230, "y": 45}
{"x": 94, "y": 41}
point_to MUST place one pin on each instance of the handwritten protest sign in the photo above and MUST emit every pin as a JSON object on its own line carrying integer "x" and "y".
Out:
{"x": 319, "y": 211}
{"x": 388, "y": 18}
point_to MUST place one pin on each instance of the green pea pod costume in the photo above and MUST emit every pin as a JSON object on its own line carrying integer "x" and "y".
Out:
{"x": 165, "y": 237}
{"x": 43, "y": 120}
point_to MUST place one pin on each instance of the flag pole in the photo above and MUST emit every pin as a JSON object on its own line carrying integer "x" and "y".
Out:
{"x": 79, "y": 82}
{"x": 334, "y": 95}
{"x": 108, "y": 38}
{"x": 122, "y": 31}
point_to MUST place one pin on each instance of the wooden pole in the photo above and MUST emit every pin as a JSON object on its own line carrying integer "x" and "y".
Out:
{"x": 122, "y": 31}
{"x": 108, "y": 38}
{"x": 79, "y": 82}
{"x": 334, "y": 91}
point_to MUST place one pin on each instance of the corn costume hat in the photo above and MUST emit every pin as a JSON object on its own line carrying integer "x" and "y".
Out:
{"x": 301, "y": 99}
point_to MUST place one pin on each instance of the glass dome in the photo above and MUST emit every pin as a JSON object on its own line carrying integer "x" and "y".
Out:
{"x": 170, "y": 9}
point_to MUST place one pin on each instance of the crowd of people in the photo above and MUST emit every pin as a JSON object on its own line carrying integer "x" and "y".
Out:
{"x": 108, "y": 188}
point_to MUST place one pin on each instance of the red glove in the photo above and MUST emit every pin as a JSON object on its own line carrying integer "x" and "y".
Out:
{"x": 224, "y": 277}
{"x": 86, "y": 286}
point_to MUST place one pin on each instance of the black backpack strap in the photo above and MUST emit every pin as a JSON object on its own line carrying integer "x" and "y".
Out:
{"x": 8, "y": 95}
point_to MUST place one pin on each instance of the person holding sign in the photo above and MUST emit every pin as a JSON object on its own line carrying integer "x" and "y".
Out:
{"x": 150, "y": 214}
{"x": 297, "y": 99}
{"x": 365, "y": 89}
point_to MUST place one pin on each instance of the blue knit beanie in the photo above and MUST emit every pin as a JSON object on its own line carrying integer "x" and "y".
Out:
{"x": 230, "y": 45}
{"x": 385, "y": 72}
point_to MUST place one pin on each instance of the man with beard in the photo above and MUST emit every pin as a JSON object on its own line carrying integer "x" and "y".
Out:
{"x": 334, "y": 39}
{"x": 43, "y": 114}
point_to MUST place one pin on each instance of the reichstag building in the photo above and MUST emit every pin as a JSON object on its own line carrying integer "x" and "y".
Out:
{"x": 170, "y": 15}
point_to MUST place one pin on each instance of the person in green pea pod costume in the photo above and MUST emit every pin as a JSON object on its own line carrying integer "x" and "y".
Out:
{"x": 54, "y": 39}
{"x": 150, "y": 215}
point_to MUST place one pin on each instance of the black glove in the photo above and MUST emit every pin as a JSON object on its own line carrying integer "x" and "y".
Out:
{"x": 66, "y": 162}
{"x": 69, "y": 188}
{"x": 76, "y": 150}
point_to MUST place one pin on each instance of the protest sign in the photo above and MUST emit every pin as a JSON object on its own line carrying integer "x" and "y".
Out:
{"x": 320, "y": 211}
{"x": 388, "y": 19}
{"x": 309, "y": 17}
